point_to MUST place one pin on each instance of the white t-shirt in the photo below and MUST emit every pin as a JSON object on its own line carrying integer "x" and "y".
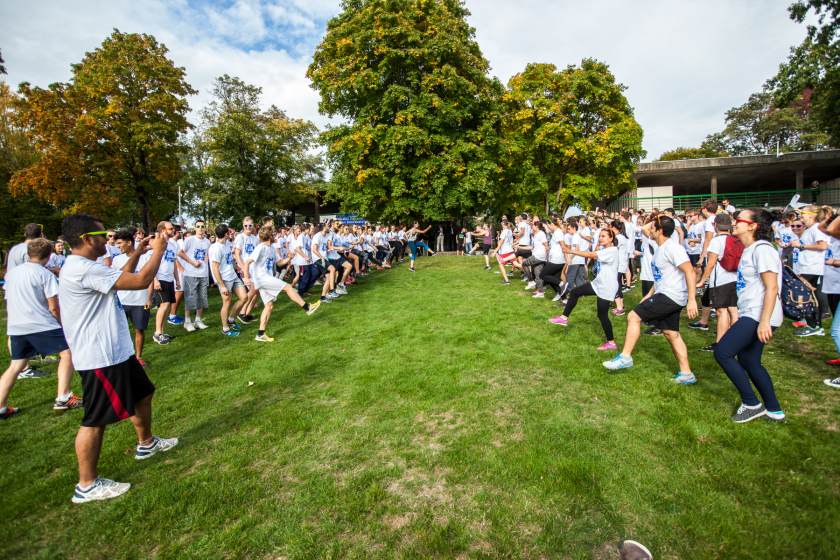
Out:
{"x": 220, "y": 253}
{"x": 246, "y": 244}
{"x": 579, "y": 244}
{"x": 333, "y": 240}
{"x": 17, "y": 255}
{"x": 94, "y": 322}
{"x": 623, "y": 255}
{"x": 667, "y": 276}
{"x": 784, "y": 236}
{"x": 114, "y": 251}
{"x": 587, "y": 231}
{"x": 319, "y": 242}
{"x": 812, "y": 262}
{"x": 539, "y": 249}
{"x": 56, "y": 261}
{"x": 506, "y": 242}
{"x": 264, "y": 258}
{"x": 720, "y": 276}
{"x": 197, "y": 250}
{"x": 648, "y": 246}
{"x": 166, "y": 272}
{"x": 293, "y": 247}
{"x": 709, "y": 225}
{"x": 555, "y": 250}
{"x": 606, "y": 282}
{"x": 630, "y": 229}
{"x": 525, "y": 240}
{"x": 28, "y": 287}
{"x": 696, "y": 231}
{"x": 131, "y": 297}
{"x": 831, "y": 276}
{"x": 757, "y": 258}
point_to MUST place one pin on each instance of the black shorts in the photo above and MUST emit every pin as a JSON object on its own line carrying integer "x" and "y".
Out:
{"x": 45, "y": 343}
{"x": 524, "y": 253}
{"x": 339, "y": 262}
{"x": 321, "y": 268}
{"x": 138, "y": 315}
{"x": 723, "y": 296}
{"x": 694, "y": 260}
{"x": 111, "y": 392}
{"x": 661, "y": 311}
{"x": 166, "y": 294}
{"x": 485, "y": 248}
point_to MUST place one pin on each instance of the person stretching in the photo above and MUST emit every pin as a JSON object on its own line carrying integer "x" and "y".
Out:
{"x": 413, "y": 243}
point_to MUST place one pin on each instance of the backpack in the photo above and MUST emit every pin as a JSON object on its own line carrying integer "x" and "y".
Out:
{"x": 798, "y": 299}
{"x": 732, "y": 252}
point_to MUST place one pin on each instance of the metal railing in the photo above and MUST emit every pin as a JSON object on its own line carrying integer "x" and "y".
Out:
{"x": 770, "y": 199}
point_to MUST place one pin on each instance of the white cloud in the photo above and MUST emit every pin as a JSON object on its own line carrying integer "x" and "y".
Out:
{"x": 684, "y": 63}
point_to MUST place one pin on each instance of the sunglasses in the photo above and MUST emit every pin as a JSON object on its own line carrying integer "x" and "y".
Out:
{"x": 94, "y": 233}
{"x": 248, "y": 226}
{"x": 110, "y": 235}
{"x": 793, "y": 226}
{"x": 169, "y": 228}
{"x": 742, "y": 221}
{"x": 811, "y": 213}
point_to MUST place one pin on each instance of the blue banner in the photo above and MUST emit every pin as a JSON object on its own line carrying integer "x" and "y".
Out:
{"x": 351, "y": 219}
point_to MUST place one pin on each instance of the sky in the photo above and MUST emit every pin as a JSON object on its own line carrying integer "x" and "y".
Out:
{"x": 684, "y": 63}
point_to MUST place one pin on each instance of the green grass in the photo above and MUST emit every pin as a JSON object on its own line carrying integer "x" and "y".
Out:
{"x": 436, "y": 415}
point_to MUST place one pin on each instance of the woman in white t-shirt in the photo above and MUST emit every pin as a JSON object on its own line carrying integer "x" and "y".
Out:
{"x": 504, "y": 252}
{"x": 622, "y": 243}
{"x": 604, "y": 286}
{"x": 785, "y": 234}
{"x": 810, "y": 265}
{"x": 553, "y": 271}
{"x": 739, "y": 350}
{"x": 533, "y": 265}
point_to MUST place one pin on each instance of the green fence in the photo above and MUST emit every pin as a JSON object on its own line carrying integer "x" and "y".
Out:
{"x": 771, "y": 199}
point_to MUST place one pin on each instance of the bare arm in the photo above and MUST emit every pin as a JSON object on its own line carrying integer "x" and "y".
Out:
{"x": 690, "y": 278}
{"x": 141, "y": 280}
{"x": 706, "y": 240}
{"x": 56, "y": 312}
{"x": 710, "y": 266}
{"x": 771, "y": 291}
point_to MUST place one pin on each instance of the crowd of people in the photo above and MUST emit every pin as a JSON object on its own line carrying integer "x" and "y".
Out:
{"x": 74, "y": 309}
{"x": 725, "y": 257}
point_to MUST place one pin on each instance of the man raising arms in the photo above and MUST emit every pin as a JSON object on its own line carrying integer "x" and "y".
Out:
{"x": 243, "y": 246}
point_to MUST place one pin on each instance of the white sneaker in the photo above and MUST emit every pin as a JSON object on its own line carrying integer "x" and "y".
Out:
{"x": 158, "y": 444}
{"x": 103, "y": 489}
{"x": 557, "y": 297}
{"x": 539, "y": 294}
{"x": 341, "y": 291}
{"x": 531, "y": 285}
{"x": 200, "y": 324}
{"x": 189, "y": 326}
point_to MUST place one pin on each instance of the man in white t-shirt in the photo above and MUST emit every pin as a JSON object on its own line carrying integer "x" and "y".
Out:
{"x": 34, "y": 326}
{"x": 721, "y": 294}
{"x": 243, "y": 245}
{"x": 114, "y": 384}
{"x": 18, "y": 255}
{"x": 136, "y": 303}
{"x": 111, "y": 247}
{"x": 708, "y": 210}
{"x": 221, "y": 266}
{"x": 166, "y": 281}
{"x": 674, "y": 279}
{"x": 195, "y": 252}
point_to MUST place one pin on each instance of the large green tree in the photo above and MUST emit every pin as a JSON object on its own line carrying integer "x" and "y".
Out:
{"x": 109, "y": 140}
{"x": 244, "y": 160}
{"x": 814, "y": 65}
{"x": 569, "y": 136}
{"x": 420, "y": 110}
{"x": 691, "y": 153}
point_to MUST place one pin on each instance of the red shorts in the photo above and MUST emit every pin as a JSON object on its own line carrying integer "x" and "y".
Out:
{"x": 503, "y": 257}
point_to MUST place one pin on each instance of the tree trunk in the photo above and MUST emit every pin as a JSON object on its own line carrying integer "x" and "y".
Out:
{"x": 547, "y": 204}
{"x": 559, "y": 188}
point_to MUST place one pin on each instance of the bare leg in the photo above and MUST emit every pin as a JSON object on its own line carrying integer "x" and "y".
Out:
{"x": 266, "y": 313}
{"x": 88, "y": 448}
{"x": 179, "y": 297}
{"x": 9, "y": 378}
{"x": 631, "y": 337}
{"x": 679, "y": 349}
{"x": 225, "y": 312}
{"x": 293, "y": 295}
{"x": 160, "y": 318}
{"x": 241, "y": 295}
{"x": 65, "y": 372}
{"x": 142, "y": 419}
{"x": 139, "y": 341}
{"x": 705, "y": 314}
{"x": 723, "y": 322}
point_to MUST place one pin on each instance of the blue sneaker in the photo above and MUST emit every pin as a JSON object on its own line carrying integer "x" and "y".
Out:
{"x": 234, "y": 327}
{"x": 684, "y": 378}
{"x": 230, "y": 332}
{"x": 619, "y": 362}
{"x": 174, "y": 320}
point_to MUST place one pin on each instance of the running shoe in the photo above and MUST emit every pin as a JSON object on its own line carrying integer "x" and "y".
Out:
{"x": 525, "y": 279}
{"x": 378, "y": 268}
{"x": 833, "y": 382}
{"x": 169, "y": 337}
{"x": 143, "y": 362}
{"x": 32, "y": 373}
{"x": 174, "y": 320}
{"x": 560, "y": 320}
{"x": 234, "y": 327}
{"x": 608, "y": 346}
{"x": 618, "y": 312}
{"x": 699, "y": 325}
{"x": 243, "y": 319}
{"x": 325, "y": 299}
{"x": 775, "y": 416}
{"x": 189, "y": 326}
{"x": 626, "y": 289}
{"x": 510, "y": 273}
{"x": 341, "y": 291}
{"x": 810, "y": 331}
{"x": 531, "y": 285}
{"x": 653, "y": 332}
{"x": 713, "y": 314}
{"x": 745, "y": 413}
{"x": 161, "y": 339}
{"x": 619, "y": 362}
{"x": 539, "y": 295}
{"x": 684, "y": 378}
{"x": 826, "y": 315}
{"x": 313, "y": 307}
{"x": 49, "y": 360}
{"x": 102, "y": 489}
{"x": 11, "y": 411}
{"x": 487, "y": 267}
{"x": 334, "y": 294}
{"x": 72, "y": 402}
{"x": 250, "y": 317}
{"x": 631, "y": 550}
{"x": 230, "y": 332}
{"x": 412, "y": 269}
{"x": 387, "y": 265}
{"x": 402, "y": 260}
{"x": 263, "y": 338}
{"x": 557, "y": 297}
{"x": 199, "y": 324}
{"x": 709, "y": 348}
{"x": 158, "y": 444}
{"x": 800, "y": 324}
{"x": 833, "y": 362}
{"x": 505, "y": 283}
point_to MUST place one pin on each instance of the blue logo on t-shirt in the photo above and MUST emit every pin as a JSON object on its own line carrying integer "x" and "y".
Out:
{"x": 795, "y": 255}
{"x": 199, "y": 255}
{"x": 269, "y": 265}
{"x": 229, "y": 258}
{"x": 741, "y": 284}
{"x": 249, "y": 248}
{"x": 169, "y": 255}
{"x": 657, "y": 274}
{"x": 786, "y": 238}
{"x": 597, "y": 267}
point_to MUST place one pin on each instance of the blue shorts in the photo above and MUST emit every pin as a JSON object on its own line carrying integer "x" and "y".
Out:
{"x": 46, "y": 343}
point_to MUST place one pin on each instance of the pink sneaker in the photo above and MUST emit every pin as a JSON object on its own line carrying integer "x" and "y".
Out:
{"x": 617, "y": 312}
{"x": 559, "y": 320}
{"x": 608, "y": 346}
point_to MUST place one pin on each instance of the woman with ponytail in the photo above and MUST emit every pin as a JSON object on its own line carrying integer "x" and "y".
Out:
{"x": 812, "y": 245}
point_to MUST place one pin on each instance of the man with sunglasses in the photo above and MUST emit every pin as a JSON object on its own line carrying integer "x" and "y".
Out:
{"x": 114, "y": 383}
{"x": 166, "y": 280}
{"x": 111, "y": 247}
{"x": 196, "y": 252}
{"x": 243, "y": 246}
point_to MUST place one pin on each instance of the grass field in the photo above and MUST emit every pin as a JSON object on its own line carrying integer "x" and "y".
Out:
{"x": 436, "y": 415}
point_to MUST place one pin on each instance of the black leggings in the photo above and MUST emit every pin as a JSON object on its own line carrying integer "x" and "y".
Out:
{"x": 603, "y": 307}
{"x": 551, "y": 274}
{"x": 647, "y": 286}
{"x": 822, "y": 302}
